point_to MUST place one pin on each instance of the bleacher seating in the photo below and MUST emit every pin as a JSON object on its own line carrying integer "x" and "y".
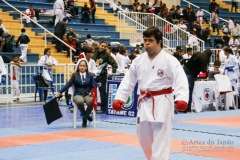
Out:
{"x": 105, "y": 26}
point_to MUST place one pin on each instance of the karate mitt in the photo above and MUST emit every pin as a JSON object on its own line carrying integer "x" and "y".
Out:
{"x": 181, "y": 105}
{"x": 117, "y": 105}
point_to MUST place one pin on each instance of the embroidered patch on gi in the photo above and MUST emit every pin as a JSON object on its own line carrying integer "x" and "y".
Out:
{"x": 160, "y": 72}
{"x": 206, "y": 94}
{"x": 138, "y": 120}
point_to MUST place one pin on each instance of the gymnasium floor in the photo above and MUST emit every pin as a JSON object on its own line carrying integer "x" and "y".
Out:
{"x": 24, "y": 135}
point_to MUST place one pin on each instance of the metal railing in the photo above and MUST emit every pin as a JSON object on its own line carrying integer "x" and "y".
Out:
{"x": 135, "y": 23}
{"x": 189, "y": 3}
{"x": 27, "y": 84}
{"x": 45, "y": 30}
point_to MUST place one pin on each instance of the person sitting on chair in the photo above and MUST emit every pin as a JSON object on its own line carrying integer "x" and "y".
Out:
{"x": 83, "y": 82}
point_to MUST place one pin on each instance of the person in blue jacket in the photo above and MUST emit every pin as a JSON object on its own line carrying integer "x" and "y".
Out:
{"x": 83, "y": 82}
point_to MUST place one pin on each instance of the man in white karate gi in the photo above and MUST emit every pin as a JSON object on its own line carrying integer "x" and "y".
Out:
{"x": 58, "y": 8}
{"x": 156, "y": 72}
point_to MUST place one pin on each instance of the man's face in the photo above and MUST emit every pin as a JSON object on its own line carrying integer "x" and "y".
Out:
{"x": 189, "y": 52}
{"x": 15, "y": 59}
{"x": 71, "y": 30}
{"x": 178, "y": 51}
{"x": 102, "y": 47}
{"x": 151, "y": 45}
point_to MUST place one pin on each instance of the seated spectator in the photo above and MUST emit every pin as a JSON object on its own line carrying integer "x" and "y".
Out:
{"x": 89, "y": 40}
{"x": 71, "y": 33}
{"x": 30, "y": 14}
{"x": 136, "y": 4}
{"x": 235, "y": 30}
{"x": 189, "y": 54}
{"x": 132, "y": 55}
{"x": 2, "y": 29}
{"x": 85, "y": 13}
{"x": 71, "y": 8}
{"x": 116, "y": 7}
{"x": 178, "y": 54}
{"x": 72, "y": 42}
{"x": 149, "y": 4}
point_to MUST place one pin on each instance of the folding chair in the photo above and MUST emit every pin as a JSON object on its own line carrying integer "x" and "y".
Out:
{"x": 94, "y": 102}
{"x": 225, "y": 88}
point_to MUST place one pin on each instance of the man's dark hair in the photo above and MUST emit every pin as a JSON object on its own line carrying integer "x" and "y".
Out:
{"x": 14, "y": 55}
{"x": 64, "y": 19}
{"x": 229, "y": 50}
{"x": 46, "y": 50}
{"x": 23, "y": 30}
{"x": 114, "y": 50}
{"x": 153, "y": 31}
{"x": 88, "y": 49}
{"x": 217, "y": 63}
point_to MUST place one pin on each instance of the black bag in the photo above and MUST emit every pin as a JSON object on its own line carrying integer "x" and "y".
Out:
{"x": 51, "y": 110}
{"x": 6, "y": 59}
{"x": 41, "y": 80}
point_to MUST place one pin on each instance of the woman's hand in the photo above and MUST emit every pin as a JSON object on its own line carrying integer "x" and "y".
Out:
{"x": 58, "y": 94}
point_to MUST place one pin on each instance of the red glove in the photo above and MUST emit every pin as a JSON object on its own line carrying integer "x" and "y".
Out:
{"x": 117, "y": 105}
{"x": 181, "y": 105}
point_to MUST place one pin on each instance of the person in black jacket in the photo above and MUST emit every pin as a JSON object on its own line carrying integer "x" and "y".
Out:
{"x": 23, "y": 39}
{"x": 212, "y": 5}
{"x": 60, "y": 30}
{"x": 197, "y": 63}
{"x": 83, "y": 82}
{"x": 178, "y": 54}
{"x": 85, "y": 13}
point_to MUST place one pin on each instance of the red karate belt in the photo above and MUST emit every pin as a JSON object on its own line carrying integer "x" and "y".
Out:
{"x": 151, "y": 94}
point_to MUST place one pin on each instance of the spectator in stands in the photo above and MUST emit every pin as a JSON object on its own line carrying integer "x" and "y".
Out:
{"x": 148, "y": 3}
{"x": 3, "y": 30}
{"x": 89, "y": 40}
{"x": 102, "y": 59}
{"x": 71, "y": 33}
{"x": 47, "y": 61}
{"x": 93, "y": 9}
{"x": 83, "y": 81}
{"x": 60, "y": 30}
{"x": 58, "y": 8}
{"x": 136, "y": 4}
{"x": 226, "y": 32}
{"x": 188, "y": 55}
{"x": 117, "y": 7}
{"x": 212, "y": 6}
{"x": 157, "y": 5}
{"x": 30, "y": 14}
{"x": 231, "y": 68}
{"x": 85, "y": 13}
{"x": 15, "y": 77}
{"x": 72, "y": 42}
{"x": 7, "y": 43}
{"x": 234, "y": 5}
{"x": 200, "y": 15}
{"x": 191, "y": 17}
{"x": 71, "y": 8}
{"x": 197, "y": 29}
{"x": 23, "y": 40}
{"x": 215, "y": 21}
{"x": 95, "y": 45}
{"x": 206, "y": 36}
{"x": 235, "y": 30}
{"x": 178, "y": 54}
{"x": 197, "y": 63}
{"x": 234, "y": 44}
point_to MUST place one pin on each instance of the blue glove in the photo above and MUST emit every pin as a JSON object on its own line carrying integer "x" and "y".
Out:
{"x": 229, "y": 69}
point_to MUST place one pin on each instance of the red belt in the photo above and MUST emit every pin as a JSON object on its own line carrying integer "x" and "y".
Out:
{"x": 150, "y": 94}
